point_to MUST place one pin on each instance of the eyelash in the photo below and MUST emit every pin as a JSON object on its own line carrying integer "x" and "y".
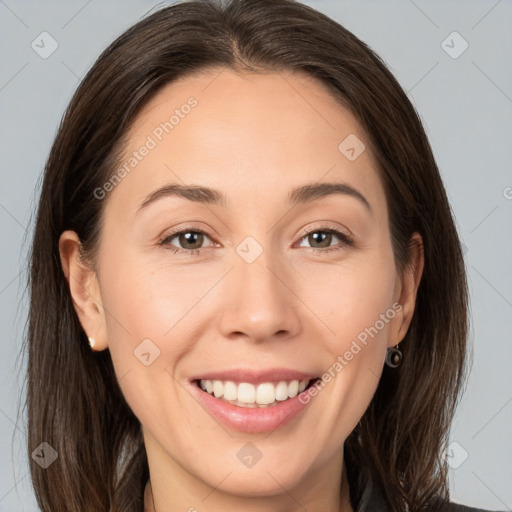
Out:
{"x": 346, "y": 240}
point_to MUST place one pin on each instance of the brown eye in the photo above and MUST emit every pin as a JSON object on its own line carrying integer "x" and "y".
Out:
{"x": 320, "y": 240}
{"x": 190, "y": 241}
{"x": 320, "y": 237}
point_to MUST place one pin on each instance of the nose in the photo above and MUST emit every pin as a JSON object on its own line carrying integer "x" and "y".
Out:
{"x": 259, "y": 303}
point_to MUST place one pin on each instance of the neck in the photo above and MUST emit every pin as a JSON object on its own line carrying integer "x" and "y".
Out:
{"x": 338, "y": 502}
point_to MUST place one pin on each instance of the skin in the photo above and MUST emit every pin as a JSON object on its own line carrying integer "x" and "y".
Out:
{"x": 254, "y": 137}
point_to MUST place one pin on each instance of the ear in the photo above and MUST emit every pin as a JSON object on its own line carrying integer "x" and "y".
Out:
{"x": 84, "y": 289}
{"x": 407, "y": 286}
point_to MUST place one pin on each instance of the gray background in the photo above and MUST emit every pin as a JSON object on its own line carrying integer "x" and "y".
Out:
{"x": 465, "y": 104}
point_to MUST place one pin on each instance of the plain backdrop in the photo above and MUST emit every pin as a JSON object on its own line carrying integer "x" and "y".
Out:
{"x": 465, "y": 101}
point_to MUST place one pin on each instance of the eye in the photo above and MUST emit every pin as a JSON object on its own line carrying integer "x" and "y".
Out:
{"x": 190, "y": 239}
{"x": 324, "y": 237}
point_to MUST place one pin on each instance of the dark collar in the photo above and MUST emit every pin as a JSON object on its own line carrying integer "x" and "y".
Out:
{"x": 372, "y": 499}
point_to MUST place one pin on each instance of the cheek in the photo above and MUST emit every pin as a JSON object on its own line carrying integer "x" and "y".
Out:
{"x": 356, "y": 306}
{"x": 149, "y": 300}
{"x": 146, "y": 305}
{"x": 354, "y": 348}
{"x": 146, "y": 309}
{"x": 156, "y": 297}
{"x": 349, "y": 298}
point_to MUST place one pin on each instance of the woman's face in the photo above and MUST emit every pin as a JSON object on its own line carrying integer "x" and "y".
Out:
{"x": 271, "y": 296}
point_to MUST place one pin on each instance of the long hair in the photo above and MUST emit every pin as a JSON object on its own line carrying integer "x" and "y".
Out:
{"x": 73, "y": 398}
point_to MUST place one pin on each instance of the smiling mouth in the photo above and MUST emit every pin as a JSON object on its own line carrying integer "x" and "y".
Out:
{"x": 245, "y": 394}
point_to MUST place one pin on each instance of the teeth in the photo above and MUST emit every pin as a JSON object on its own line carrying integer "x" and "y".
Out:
{"x": 230, "y": 391}
{"x": 218, "y": 388}
{"x": 282, "y": 391}
{"x": 265, "y": 394}
{"x": 293, "y": 388}
{"x": 247, "y": 395}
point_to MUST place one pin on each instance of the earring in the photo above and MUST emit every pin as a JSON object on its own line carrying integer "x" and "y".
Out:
{"x": 92, "y": 341}
{"x": 394, "y": 356}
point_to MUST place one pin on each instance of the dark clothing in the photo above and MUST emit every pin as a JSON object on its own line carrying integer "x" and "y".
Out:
{"x": 373, "y": 500}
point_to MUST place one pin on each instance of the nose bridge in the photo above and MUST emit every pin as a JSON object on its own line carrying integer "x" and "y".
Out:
{"x": 260, "y": 304}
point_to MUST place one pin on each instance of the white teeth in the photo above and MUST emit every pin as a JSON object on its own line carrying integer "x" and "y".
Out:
{"x": 266, "y": 394}
{"x": 293, "y": 388}
{"x": 230, "y": 391}
{"x": 246, "y": 393}
{"x": 218, "y": 388}
{"x": 282, "y": 391}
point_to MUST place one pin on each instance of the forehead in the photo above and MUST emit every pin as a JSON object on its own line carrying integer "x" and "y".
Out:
{"x": 250, "y": 134}
{"x": 273, "y": 98}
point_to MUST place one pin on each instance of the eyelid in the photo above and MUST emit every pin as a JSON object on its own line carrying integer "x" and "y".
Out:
{"x": 186, "y": 227}
{"x": 343, "y": 233}
{"x": 325, "y": 225}
{"x": 162, "y": 239}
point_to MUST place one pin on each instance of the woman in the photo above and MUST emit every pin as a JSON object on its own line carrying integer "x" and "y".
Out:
{"x": 265, "y": 372}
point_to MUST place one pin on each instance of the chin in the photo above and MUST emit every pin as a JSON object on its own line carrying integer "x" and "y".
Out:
{"x": 262, "y": 480}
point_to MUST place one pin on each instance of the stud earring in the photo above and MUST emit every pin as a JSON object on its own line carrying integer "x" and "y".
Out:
{"x": 394, "y": 356}
{"x": 92, "y": 341}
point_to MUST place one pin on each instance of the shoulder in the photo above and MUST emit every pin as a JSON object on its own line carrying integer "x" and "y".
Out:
{"x": 373, "y": 500}
{"x": 456, "y": 507}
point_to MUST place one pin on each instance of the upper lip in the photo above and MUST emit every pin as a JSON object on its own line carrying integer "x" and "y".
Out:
{"x": 254, "y": 376}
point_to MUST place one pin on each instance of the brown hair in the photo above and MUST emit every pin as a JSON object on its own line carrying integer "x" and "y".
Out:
{"x": 73, "y": 398}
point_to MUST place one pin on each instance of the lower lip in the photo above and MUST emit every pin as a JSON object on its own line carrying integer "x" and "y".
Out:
{"x": 251, "y": 419}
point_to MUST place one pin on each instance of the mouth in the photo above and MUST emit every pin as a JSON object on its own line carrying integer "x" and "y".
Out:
{"x": 254, "y": 401}
{"x": 249, "y": 395}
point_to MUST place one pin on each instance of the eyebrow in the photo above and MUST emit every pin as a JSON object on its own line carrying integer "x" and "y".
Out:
{"x": 300, "y": 195}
